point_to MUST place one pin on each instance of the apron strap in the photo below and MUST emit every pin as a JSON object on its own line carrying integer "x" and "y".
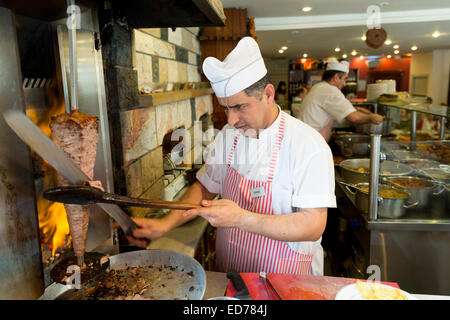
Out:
{"x": 275, "y": 153}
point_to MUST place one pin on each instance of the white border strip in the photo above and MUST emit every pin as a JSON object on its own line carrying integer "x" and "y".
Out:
{"x": 343, "y": 20}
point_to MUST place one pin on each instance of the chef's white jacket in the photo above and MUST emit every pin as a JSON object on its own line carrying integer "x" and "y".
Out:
{"x": 304, "y": 172}
{"x": 323, "y": 103}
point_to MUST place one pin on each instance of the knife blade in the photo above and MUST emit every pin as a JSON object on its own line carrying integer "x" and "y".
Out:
{"x": 239, "y": 284}
{"x": 50, "y": 152}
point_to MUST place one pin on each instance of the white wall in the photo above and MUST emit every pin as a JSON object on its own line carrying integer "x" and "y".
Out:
{"x": 436, "y": 65}
{"x": 440, "y": 76}
{"x": 421, "y": 65}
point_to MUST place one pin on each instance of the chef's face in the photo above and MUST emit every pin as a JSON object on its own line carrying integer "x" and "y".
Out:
{"x": 246, "y": 112}
{"x": 340, "y": 82}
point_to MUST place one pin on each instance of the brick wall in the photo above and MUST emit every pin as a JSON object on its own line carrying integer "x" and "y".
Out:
{"x": 159, "y": 57}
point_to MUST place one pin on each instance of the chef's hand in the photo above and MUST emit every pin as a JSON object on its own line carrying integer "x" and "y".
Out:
{"x": 147, "y": 229}
{"x": 219, "y": 213}
{"x": 376, "y": 118}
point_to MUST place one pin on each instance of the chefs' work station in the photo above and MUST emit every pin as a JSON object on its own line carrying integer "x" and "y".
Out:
{"x": 393, "y": 193}
{"x": 148, "y": 155}
{"x": 326, "y": 103}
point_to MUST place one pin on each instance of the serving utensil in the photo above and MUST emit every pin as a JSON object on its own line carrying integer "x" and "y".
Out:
{"x": 82, "y": 195}
{"x": 263, "y": 276}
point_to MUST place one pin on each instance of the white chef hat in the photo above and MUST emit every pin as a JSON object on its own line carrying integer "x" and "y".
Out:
{"x": 333, "y": 64}
{"x": 239, "y": 70}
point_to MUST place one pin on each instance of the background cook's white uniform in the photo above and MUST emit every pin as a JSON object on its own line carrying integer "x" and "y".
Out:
{"x": 323, "y": 103}
{"x": 304, "y": 174}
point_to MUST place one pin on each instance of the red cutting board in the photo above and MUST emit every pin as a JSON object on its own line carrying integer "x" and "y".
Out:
{"x": 295, "y": 287}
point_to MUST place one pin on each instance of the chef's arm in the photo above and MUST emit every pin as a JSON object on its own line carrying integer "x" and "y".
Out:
{"x": 195, "y": 194}
{"x": 304, "y": 225}
{"x": 364, "y": 117}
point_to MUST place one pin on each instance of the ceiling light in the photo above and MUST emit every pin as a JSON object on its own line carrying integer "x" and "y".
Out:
{"x": 337, "y": 49}
{"x": 436, "y": 34}
{"x": 414, "y": 48}
{"x": 305, "y": 55}
{"x": 344, "y": 56}
{"x": 303, "y": 60}
{"x": 396, "y": 51}
{"x": 361, "y": 57}
{"x": 363, "y": 38}
{"x": 389, "y": 56}
{"x": 354, "y": 53}
{"x": 396, "y": 46}
{"x": 306, "y": 9}
{"x": 388, "y": 42}
{"x": 280, "y": 51}
{"x": 284, "y": 48}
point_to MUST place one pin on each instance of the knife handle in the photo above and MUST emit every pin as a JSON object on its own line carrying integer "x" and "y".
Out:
{"x": 239, "y": 285}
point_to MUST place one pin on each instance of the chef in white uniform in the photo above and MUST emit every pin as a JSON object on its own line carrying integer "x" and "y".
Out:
{"x": 274, "y": 175}
{"x": 326, "y": 102}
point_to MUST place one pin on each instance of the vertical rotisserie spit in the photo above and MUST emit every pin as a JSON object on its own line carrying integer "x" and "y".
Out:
{"x": 77, "y": 135}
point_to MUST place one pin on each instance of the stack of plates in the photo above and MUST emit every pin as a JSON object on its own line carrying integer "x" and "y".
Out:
{"x": 390, "y": 85}
{"x": 375, "y": 90}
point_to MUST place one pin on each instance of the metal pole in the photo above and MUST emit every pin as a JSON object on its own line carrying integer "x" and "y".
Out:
{"x": 375, "y": 141}
{"x": 442, "y": 129}
{"x": 73, "y": 53}
{"x": 413, "y": 130}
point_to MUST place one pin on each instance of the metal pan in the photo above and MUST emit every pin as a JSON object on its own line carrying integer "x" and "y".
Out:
{"x": 350, "y": 173}
{"x": 168, "y": 275}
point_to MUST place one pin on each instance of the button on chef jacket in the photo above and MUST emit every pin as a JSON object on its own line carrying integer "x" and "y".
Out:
{"x": 323, "y": 103}
{"x": 304, "y": 172}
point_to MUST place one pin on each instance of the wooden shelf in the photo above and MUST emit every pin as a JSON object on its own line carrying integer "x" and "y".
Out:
{"x": 155, "y": 99}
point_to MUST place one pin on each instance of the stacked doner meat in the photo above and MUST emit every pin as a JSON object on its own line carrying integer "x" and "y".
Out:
{"x": 77, "y": 135}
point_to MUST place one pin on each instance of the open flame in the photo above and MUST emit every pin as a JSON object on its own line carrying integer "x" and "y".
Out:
{"x": 53, "y": 225}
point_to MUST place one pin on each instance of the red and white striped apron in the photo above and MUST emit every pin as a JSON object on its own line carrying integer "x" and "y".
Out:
{"x": 249, "y": 252}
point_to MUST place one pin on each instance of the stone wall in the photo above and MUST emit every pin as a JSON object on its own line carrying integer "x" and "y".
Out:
{"x": 160, "y": 56}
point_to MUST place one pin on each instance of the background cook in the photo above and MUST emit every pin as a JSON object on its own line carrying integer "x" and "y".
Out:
{"x": 326, "y": 102}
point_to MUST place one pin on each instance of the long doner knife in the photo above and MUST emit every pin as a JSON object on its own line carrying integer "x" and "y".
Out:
{"x": 49, "y": 151}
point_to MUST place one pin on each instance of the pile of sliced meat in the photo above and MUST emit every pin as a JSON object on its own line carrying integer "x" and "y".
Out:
{"x": 77, "y": 135}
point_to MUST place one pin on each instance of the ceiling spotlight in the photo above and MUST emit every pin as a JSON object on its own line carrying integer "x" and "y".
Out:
{"x": 280, "y": 51}
{"x": 396, "y": 51}
{"x": 363, "y": 38}
{"x": 396, "y": 46}
{"x": 361, "y": 57}
{"x": 303, "y": 60}
{"x": 436, "y": 34}
{"x": 414, "y": 48}
{"x": 344, "y": 56}
{"x": 388, "y": 42}
{"x": 337, "y": 49}
{"x": 306, "y": 9}
{"x": 354, "y": 53}
{"x": 284, "y": 48}
{"x": 389, "y": 56}
{"x": 305, "y": 55}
